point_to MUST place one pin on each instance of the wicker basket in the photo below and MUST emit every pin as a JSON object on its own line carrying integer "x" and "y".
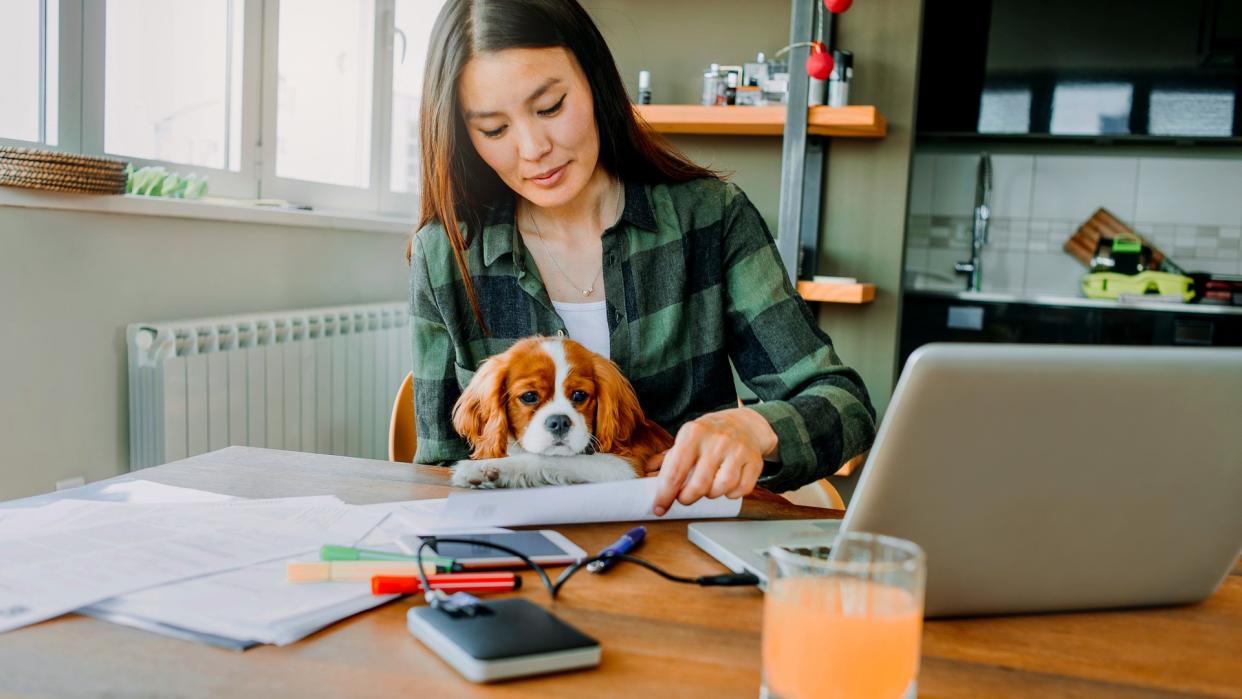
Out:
{"x": 60, "y": 172}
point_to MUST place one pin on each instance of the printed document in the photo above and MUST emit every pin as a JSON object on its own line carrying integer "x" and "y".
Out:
{"x": 114, "y": 549}
{"x": 616, "y": 501}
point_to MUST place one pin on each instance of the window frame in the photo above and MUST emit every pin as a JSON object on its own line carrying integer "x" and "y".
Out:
{"x": 304, "y": 191}
{"x": 390, "y": 202}
{"x": 221, "y": 181}
{"x": 81, "y": 111}
{"x": 69, "y": 80}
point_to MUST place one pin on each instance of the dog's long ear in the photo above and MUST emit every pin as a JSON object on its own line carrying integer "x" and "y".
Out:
{"x": 480, "y": 415}
{"x": 617, "y": 412}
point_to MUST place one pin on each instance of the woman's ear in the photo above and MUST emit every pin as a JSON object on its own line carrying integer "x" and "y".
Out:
{"x": 617, "y": 412}
{"x": 480, "y": 415}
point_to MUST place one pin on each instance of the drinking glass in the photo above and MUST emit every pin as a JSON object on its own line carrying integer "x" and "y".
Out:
{"x": 843, "y": 617}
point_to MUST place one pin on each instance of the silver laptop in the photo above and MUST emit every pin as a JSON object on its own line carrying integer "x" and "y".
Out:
{"x": 1048, "y": 478}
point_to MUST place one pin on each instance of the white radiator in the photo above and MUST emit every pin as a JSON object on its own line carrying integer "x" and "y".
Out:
{"x": 318, "y": 380}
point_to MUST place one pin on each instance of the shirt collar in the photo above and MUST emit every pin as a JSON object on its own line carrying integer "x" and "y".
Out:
{"x": 638, "y": 209}
{"x": 500, "y": 235}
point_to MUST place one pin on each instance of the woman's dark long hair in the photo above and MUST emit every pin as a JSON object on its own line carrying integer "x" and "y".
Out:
{"x": 457, "y": 186}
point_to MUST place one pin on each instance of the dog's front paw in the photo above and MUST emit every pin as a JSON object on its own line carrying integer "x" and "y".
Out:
{"x": 484, "y": 473}
{"x": 555, "y": 476}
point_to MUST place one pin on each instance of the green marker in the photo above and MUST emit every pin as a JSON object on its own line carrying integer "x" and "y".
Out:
{"x": 346, "y": 553}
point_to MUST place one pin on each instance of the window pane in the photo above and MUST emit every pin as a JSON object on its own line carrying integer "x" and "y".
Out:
{"x": 166, "y": 93}
{"x": 51, "y": 102}
{"x": 413, "y": 32}
{"x": 323, "y": 99}
{"x": 236, "y": 56}
{"x": 19, "y": 81}
{"x": 1092, "y": 108}
{"x": 1005, "y": 111}
{"x": 1191, "y": 113}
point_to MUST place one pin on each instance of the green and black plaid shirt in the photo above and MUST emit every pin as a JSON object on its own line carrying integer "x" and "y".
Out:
{"x": 692, "y": 280}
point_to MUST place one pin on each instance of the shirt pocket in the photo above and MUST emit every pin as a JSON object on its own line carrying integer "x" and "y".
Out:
{"x": 464, "y": 375}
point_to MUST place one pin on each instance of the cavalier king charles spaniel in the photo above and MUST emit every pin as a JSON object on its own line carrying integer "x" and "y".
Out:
{"x": 548, "y": 411}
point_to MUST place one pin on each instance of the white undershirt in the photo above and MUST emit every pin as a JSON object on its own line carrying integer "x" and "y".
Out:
{"x": 586, "y": 323}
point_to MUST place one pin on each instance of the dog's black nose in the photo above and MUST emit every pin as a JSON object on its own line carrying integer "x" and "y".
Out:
{"x": 558, "y": 425}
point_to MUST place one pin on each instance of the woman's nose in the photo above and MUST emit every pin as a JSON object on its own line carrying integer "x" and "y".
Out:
{"x": 533, "y": 143}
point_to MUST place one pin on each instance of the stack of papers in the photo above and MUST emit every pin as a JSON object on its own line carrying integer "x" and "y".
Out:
{"x": 210, "y": 568}
{"x": 78, "y": 553}
{"x": 249, "y": 606}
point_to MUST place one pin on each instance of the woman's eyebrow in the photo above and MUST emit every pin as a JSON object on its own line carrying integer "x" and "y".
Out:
{"x": 547, "y": 85}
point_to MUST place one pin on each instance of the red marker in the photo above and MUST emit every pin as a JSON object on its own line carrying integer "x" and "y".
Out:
{"x": 449, "y": 582}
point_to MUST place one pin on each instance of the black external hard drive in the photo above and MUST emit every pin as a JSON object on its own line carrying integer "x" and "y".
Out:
{"x": 507, "y": 638}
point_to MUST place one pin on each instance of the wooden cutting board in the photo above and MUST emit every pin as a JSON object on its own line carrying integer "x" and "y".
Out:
{"x": 1103, "y": 224}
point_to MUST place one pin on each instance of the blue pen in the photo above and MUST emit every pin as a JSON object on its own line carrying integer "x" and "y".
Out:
{"x": 628, "y": 542}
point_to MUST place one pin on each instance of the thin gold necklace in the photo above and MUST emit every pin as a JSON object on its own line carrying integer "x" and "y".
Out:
{"x": 590, "y": 289}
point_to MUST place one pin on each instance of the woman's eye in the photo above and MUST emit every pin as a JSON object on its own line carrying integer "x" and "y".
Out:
{"x": 529, "y": 398}
{"x": 578, "y": 396}
{"x": 493, "y": 133}
{"x": 554, "y": 108}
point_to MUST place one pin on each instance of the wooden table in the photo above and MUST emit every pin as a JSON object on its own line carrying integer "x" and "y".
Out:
{"x": 660, "y": 639}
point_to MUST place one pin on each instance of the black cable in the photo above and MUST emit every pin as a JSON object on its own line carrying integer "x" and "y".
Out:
{"x": 429, "y": 541}
{"x": 725, "y": 579}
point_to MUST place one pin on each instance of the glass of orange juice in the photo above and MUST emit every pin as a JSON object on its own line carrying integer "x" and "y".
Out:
{"x": 843, "y": 617}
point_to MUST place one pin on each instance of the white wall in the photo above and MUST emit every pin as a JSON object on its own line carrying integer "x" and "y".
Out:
{"x": 1187, "y": 204}
{"x": 71, "y": 281}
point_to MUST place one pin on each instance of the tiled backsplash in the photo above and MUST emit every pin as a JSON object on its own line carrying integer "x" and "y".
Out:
{"x": 1191, "y": 208}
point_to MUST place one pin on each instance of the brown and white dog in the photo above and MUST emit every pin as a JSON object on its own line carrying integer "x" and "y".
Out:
{"x": 548, "y": 411}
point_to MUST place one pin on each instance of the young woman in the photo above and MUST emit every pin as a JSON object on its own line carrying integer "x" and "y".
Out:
{"x": 547, "y": 207}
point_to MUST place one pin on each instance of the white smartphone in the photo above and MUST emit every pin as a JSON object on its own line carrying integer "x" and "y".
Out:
{"x": 545, "y": 547}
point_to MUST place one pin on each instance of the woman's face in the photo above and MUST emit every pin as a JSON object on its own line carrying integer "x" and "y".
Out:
{"x": 531, "y": 117}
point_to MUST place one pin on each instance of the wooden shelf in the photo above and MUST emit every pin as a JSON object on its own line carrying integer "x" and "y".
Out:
{"x": 836, "y": 293}
{"x": 847, "y": 122}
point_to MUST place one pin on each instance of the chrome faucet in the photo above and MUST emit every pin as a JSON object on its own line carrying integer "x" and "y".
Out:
{"x": 979, "y": 231}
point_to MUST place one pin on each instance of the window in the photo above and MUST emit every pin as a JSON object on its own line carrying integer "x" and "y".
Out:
{"x": 323, "y": 91}
{"x": 1191, "y": 112}
{"x": 1005, "y": 111}
{"x": 1092, "y": 108}
{"x": 29, "y": 108}
{"x": 313, "y": 101}
{"x": 172, "y": 81}
{"x": 412, "y": 30}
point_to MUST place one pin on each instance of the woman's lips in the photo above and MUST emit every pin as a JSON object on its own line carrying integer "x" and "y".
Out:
{"x": 551, "y": 178}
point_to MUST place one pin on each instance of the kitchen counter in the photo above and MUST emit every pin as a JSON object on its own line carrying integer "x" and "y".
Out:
{"x": 963, "y": 316}
{"x": 1075, "y": 302}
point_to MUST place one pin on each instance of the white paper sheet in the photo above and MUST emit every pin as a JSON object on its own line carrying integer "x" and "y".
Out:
{"x": 618, "y": 501}
{"x": 256, "y": 604}
{"x": 123, "y": 548}
{"x": 148, "y": 492}
{"x": 95, "y": 504}
{"x": 21, "y": 523}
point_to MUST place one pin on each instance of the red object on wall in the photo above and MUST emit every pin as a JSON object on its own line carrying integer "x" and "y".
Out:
{"x": 838, "y": 6}
{"x": 819, "y": 63}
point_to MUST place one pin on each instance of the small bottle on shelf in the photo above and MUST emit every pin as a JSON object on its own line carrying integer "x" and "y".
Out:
{"x": 644, "y": 87}
{"x": 712, "y": 83}
{"x": 730, "y": 93}
{"x": 839, "y": 81}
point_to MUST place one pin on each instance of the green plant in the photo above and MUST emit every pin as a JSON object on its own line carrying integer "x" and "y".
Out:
{"x": 155, "y": 181}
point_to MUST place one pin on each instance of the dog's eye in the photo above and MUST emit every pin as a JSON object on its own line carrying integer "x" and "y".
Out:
{"x": 578, "y": 396}
{"x": 529, "y": 398}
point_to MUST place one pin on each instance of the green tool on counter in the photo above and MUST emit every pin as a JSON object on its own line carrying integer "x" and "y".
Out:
{"x": 1110, "y": 285}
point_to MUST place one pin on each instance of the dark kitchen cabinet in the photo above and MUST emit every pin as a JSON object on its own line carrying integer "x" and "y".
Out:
{"x": 946, "y": 317}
